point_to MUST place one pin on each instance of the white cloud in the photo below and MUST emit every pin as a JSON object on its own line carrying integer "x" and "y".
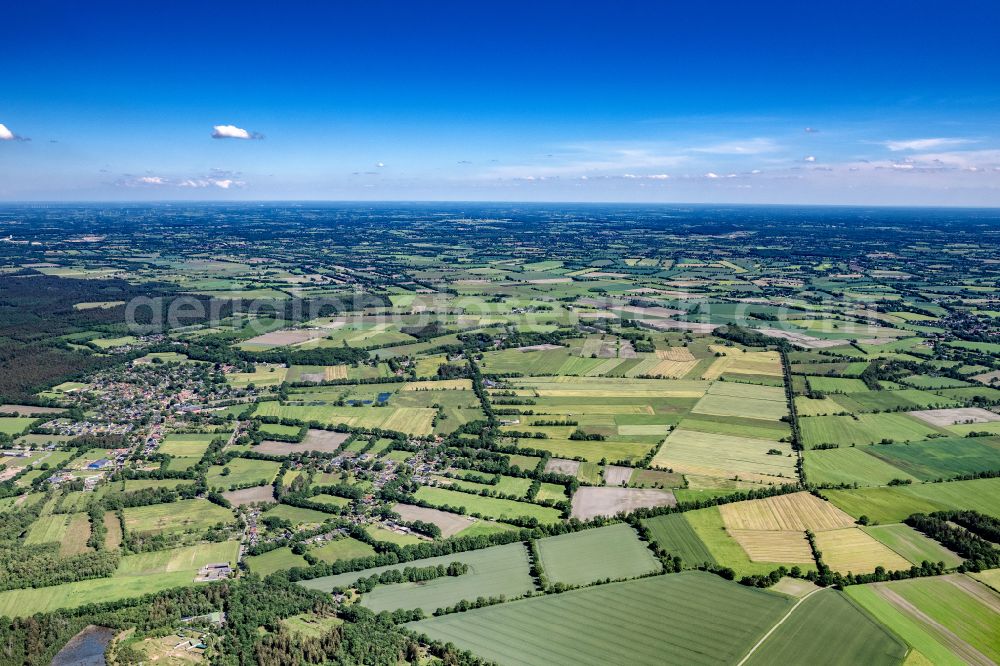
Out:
{"x": 220, "y": 180}
{"x": 711, "y": 175}
{"x": 923, "y": 144}
{"x": 7, "y": 135}
{"x": 380, "y": 164}
{"x": 233, "y": 132}
{"x": 201, "y": 183}
{"x": 809, "y": 158}
{"x": 747, "y": 147}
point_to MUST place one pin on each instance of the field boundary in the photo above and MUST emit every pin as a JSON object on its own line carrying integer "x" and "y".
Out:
{"x": 776, "y": 625}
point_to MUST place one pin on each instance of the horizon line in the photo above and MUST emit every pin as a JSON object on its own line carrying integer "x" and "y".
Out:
{"x": 115, "y": 202}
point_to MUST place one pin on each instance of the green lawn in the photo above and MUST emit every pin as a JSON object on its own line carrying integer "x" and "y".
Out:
{"x": 583, "y": 557}
{"x": 688, "y": 619}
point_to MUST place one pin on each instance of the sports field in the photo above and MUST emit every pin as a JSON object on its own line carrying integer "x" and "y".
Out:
{"x": 686, "y": 618}
{"x": 583, "y": 557}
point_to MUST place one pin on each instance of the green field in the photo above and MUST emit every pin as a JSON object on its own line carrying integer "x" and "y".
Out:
{"x": 183, "y": 515}
{"x": 686, "y": 619}
{"x": 863, "y": 429}
{"x": 15, "y": 425}
{"x": 297, "y": 515}
{"x": 836, "y": 384}
{"x": 488, "y": 507}
{"x": 676, "y": 536}
{"x": 278, "y": 429}
{"x": 892, "y": 505}
{"x": 970, "y": 618}
{"x": 943, "y": 457}
{"x": 242, "y": 472}
{"x": 827, "y": 619}
{"x": 583, "y": 557}
{"x": 912, "y": 545}
{"x": 392, "y": 536}
{"x": 187, "y": 558}
{"x": 275, "y": 560}
{"x": 22, "y": 603}
{"x": 493, "y": 571}
{"x": 342, "y": 549}
{"x": 189, "y": 444}
{"x": 851, "y": 465}
{"x": 708, "y": 525}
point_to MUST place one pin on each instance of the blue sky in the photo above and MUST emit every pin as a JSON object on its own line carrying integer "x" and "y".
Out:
{"x": 771, "y": 102}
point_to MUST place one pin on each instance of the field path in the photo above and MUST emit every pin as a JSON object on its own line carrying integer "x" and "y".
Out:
{"x": 976, "y": 589}
{"x": 948, "y": 638}
{"x": 776, "y": 625}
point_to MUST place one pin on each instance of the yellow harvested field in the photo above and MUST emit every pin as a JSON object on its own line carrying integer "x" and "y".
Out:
{"x": 416, "y": 420}
{"x": 619, "y": 392}
{"x": 737, "y": 361}
{"x": 795, "y": 512}
{"x": 332, "y": 372}
{"x": 717, "y": 368}
{"x": 74, "y": 541}
{"x": 774, "y": 546}
{"x": 853, "y": 550}
{"x": 750, "y": 366}
{"x": 443, "y": 385}
{"x": 726, "y": 457}
{"x": 672, "y": 369}
{"x": 675, "y": 354}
